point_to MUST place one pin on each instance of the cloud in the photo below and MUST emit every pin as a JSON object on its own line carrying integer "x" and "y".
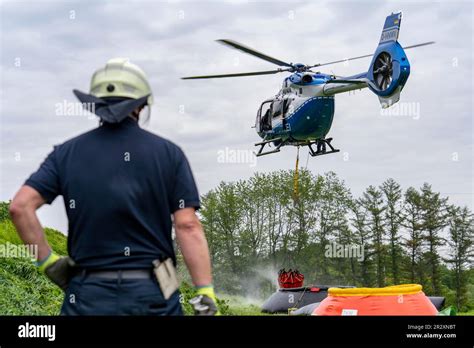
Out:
{"x": 59, "y": 44}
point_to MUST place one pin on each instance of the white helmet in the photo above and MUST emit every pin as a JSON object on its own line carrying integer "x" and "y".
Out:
{"x": 120, "y": 78}
{"x": 127, "y": 87}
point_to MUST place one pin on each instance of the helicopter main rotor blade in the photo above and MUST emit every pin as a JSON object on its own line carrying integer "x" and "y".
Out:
{"x": 370, "y": 55}
{"x": 253, "y": 52}
{"x": 254, "y": 73}
{"x": 419, "y": 45}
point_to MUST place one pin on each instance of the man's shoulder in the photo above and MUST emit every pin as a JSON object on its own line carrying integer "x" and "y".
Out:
{"x": 83, "y": 137}
{"x": 151, "y": 139}
{"x": 155, "y": 138}
{"x": 162, "y": 144}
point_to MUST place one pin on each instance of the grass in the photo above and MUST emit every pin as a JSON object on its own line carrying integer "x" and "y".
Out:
{"x": 238, "y": 305}
{"x": 23, "y": 290}
{"x": 245, "y": 310}
{"x": 471, "y": 312}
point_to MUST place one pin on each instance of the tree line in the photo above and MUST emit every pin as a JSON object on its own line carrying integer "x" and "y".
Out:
{"x": 257, "y": 226}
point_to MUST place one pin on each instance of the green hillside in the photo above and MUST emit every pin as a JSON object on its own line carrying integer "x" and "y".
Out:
{"x": 23, "y": 290}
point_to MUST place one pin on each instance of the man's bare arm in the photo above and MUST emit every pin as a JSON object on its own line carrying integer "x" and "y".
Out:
{"x": 23, "y": 213}
{"x": 193, "y": 244}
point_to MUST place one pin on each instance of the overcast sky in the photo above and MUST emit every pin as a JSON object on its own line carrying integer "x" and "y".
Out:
{"x": 50, "y": 47}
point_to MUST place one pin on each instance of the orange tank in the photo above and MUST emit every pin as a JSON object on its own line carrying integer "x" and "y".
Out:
{"x": 406, "y": 299}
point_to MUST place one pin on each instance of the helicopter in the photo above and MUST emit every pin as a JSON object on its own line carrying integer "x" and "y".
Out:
{"x": 301, "y": 113}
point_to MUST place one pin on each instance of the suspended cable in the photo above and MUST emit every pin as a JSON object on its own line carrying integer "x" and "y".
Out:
{"x": 296, "y": 177}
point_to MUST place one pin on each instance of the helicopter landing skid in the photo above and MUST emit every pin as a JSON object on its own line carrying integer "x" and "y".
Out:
{"x": 321, "y": 147}
{"x": 262, "y": 145}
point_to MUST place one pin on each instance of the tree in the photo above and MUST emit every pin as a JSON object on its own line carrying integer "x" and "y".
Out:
{"x": 279, "y": 217}
{"x": 393, "y": 194}
{"x": 414, "y": 240}
{"x": 254, "y": 192}
{"x": 4, "y": 208}
{"x": 362, "y": 238}
{"x": 226, "y": 215}
{"x": 373, "y": 202}
{"x": 338, "y": 200}
{"x": 433, "y": 221}
{"x": 209, "y": 203}
{"x": 256, "y": 226}
{"x": 461, "y": 233}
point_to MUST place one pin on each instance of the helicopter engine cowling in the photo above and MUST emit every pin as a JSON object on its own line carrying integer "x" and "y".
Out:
{"x": 388, "y": 72}
{"x": 307, "y": 78}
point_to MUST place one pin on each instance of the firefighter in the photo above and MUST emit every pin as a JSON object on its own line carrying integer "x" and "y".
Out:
{"x": 123, "y": 187}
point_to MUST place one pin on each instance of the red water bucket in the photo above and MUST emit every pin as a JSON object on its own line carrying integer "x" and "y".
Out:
{"x": 290, "y": 279}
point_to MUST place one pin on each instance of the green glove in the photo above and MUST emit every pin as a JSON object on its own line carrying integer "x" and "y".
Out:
{"x": 57, "y": 269}
{"x": 48, "y": 261}
{"x": 205, "y": 303}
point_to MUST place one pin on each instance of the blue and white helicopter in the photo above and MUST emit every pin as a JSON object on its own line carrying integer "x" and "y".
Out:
{"x": 301, "y": 113}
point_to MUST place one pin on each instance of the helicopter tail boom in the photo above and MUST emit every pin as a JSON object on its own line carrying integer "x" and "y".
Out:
{"x": 345, "y": 84}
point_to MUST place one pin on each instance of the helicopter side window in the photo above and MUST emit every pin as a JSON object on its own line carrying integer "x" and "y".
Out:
{"x": 277, "y": 107}
{"x": 286, "y": 106}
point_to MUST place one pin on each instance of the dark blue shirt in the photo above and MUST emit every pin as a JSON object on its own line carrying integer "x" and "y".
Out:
{"x": 120, "y": 185}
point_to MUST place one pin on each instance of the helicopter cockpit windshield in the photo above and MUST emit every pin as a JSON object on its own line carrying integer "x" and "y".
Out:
{"x": 264, "y": 116}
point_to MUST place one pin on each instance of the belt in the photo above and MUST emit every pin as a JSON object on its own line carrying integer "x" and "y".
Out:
{"x": 118, "y": 274}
